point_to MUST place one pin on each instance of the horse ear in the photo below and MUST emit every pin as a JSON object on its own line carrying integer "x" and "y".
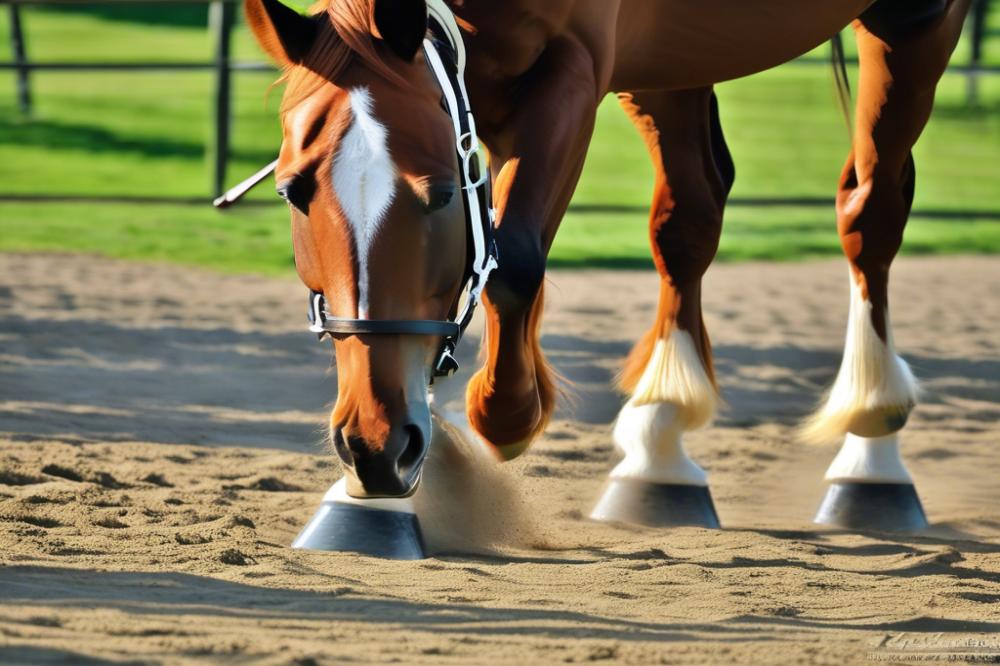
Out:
{"x": 281, "y": 31}
{"x": 402, "y": 25}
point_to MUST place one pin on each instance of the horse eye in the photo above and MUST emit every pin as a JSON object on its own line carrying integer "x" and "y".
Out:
{"x": 439, "y": 195}
{"x": 298, "y": 193}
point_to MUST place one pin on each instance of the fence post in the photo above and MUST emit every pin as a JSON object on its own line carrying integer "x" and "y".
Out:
{"x": 20, "y": 59}
{"x": 977, "y": 18}
{"x": 220, "y": 21}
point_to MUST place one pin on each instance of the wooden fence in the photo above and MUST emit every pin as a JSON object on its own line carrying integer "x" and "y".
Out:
{"x": 221, "y": 17}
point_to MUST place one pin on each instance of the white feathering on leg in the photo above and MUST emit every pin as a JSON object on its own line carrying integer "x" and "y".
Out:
{"x": 675, "y": 374}
{"x": 874, "y": 390}
{"x": 674, "y": 394}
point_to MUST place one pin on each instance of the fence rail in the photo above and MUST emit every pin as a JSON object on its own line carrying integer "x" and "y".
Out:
{"x": 56, "y": 66}
{"x": 221, "y": 18}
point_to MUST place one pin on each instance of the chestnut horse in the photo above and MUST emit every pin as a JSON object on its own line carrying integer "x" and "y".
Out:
{"x": 368, "y": 165}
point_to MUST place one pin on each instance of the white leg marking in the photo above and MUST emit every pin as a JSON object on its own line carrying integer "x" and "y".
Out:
{"x": 650, "y": 438}
{"x": 869, "y": 460}
{"x": 675, "y": 374}
{"x": 874, "y": 390}
{"x": 674, "y": 394}
{"x": 364, "y": 180}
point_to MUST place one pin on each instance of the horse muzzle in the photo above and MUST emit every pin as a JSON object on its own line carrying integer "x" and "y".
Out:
{"x": 389, "y": 470}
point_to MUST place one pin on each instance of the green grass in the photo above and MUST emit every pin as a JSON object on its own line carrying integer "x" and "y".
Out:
{"x": 143, "y": 135}
{"x": 250, "y": 239}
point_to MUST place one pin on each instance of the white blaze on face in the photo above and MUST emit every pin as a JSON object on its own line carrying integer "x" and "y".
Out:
{"x": 364, "y": 181}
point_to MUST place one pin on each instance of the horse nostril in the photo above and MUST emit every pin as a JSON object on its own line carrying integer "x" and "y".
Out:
{"x": 439, "y": 196}
{"x": 340, "y": 446}
{"x": 414, "y": 450}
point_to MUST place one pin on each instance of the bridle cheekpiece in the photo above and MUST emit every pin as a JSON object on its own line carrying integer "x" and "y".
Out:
{"x": 444, "y": 51}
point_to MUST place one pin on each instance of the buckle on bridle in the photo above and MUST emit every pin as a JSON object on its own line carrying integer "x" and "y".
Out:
{"x": 447, "y": 364}
{"x": 317, "y": 314}
{"x": 467, "y": 155}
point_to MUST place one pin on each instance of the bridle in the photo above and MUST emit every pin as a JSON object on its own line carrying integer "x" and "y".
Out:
{"x": 444, "y": 51}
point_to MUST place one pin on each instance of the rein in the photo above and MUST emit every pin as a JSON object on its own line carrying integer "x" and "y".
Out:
{"x": 444, "y": 51}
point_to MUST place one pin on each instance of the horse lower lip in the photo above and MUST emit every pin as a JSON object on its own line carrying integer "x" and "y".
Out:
{"x": 403, "y": 486}
{"x": 373, "y": 496}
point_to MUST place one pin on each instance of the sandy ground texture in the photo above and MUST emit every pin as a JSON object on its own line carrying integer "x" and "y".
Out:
{"x": 161, "y": 444}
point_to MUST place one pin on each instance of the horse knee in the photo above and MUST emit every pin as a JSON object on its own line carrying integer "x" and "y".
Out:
{"x": 515, "y": 284}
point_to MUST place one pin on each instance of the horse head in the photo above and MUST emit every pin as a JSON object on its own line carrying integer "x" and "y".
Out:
{"x": 369, "y": 169}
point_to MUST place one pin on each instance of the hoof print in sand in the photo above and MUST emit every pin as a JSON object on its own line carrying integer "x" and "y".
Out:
{"x": 234, "y": 557}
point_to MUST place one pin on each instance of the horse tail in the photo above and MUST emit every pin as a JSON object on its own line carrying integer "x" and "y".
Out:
{"x": 843, "y": 84}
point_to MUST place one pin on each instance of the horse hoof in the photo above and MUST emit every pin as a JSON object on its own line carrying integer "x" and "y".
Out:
{"x": 656, "y": 504}
{"x": 891, "y": 507}
{"x": 343, "y": 524}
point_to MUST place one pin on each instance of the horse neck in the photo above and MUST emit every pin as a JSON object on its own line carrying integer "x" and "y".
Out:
{"x": 507, "y": 36}
{"x": 503, "y": 40}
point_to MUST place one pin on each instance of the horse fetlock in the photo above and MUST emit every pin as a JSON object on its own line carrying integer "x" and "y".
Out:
{"x": 874, "y": 391}
{"x": 507, "y": 421}
{"x": 877, "y": 412}
{"x": 675, "y": 375}
{"x": 674, "y": 394}
{"x": 878, "y": 422}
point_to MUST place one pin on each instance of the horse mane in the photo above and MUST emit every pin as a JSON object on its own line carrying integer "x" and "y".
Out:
{"x": 349, "y": 33}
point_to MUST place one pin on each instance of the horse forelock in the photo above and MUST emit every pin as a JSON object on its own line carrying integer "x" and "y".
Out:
{"x": 348, "y": 33}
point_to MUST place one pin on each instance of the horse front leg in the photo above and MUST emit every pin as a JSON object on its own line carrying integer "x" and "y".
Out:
{"x": 874, "y": 391}
{"x": 540, "y": 156}
{"x": 669, "y": 373}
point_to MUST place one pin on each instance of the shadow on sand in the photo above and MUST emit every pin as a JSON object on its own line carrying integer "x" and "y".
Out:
{"x": 93, "y": 379}
{"x": 177, "y": 594}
